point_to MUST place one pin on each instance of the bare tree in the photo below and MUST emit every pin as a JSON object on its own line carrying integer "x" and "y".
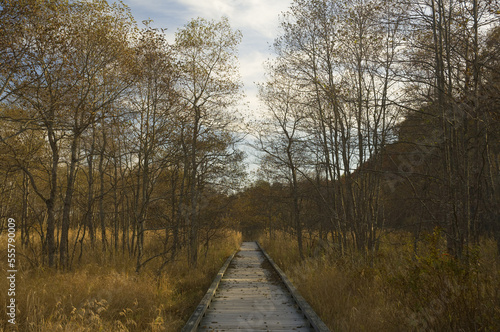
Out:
{"x": 341, "y": 57}
{"x": 282, "y": 138}
{"x": 210, "y": 85}
{"x": 70, "y": 73}
{"x": 446, "y": 48}
{"x": 155, "y": 102}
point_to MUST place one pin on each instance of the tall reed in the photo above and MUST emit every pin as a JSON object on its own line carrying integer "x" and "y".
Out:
{"x": 398, "y": 289}
{"x": 102, "y": 292}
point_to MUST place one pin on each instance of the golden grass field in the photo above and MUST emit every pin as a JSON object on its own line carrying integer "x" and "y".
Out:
{"x": 103, "y": 292}
{"x": 397, "y": 291}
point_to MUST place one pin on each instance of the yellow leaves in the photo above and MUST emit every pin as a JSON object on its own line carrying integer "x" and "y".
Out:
{"x": 206, "y": 50}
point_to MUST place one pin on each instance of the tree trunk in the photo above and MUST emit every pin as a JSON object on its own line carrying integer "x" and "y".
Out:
{"x": 63, "y": 247}
{"x": 25, "y": 237}
{"x": 50, "y": 202}
{"x": 101, "y": 194}
{"x": 90, "y": 197}
{"x": 193, "y": 213}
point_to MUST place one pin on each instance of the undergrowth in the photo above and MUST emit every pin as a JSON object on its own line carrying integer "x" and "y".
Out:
{"x": 103, "y": 292}
{"x": 398, "y": 289}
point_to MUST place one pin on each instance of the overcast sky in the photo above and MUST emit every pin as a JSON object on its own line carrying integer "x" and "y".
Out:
{"x": 256, "y": 19}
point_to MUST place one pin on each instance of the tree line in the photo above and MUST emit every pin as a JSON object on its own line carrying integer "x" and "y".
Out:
{"x": 382, "y": 114}
{"x": 108, "y": 131}
{"x": 377, "y": 114}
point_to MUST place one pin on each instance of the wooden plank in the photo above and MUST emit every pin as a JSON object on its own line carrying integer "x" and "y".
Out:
{"x": 196, "y": 317}
{"x": 236, "y": 327}
{"x": 249, "y": 298}
{"x": 252, "y": 295}
{"x": 217, "y": 317}
{"x": 316, "y": 322}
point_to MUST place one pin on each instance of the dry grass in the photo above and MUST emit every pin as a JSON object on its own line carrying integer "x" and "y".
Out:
{"x": 398, "y": 292}
{"x": 103, "y": 293}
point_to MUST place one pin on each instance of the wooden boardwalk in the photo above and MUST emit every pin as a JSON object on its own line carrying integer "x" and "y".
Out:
{"x": 251, "y": 296}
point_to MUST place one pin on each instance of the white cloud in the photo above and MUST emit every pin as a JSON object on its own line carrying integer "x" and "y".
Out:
{"x": 252, "y": 72}
{"x": 258, "y": 20}
{"x": 258, "y": 15}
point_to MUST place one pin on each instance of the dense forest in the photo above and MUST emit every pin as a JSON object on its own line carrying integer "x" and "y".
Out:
{"x": 109, "y": 129}
{"x": 385, "y": 114}
{"x": 379, "y": 117}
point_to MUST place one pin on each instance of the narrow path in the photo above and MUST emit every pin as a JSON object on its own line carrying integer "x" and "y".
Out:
{"x": 251, "y": 297}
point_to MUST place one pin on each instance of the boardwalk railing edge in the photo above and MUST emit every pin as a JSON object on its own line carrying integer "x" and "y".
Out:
{"x": 199, "y": 312}
{"x": 307, "y": 310}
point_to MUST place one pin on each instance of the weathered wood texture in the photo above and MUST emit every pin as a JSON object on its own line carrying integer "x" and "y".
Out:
{"x": 309, "y": 313}
{"x": 251, "y": 296}
{"x": 196, "y": 317}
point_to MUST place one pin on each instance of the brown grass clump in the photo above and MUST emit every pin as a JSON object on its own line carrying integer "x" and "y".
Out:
{"x": 398, "y": 290}
{"x": 105, "y": 294}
